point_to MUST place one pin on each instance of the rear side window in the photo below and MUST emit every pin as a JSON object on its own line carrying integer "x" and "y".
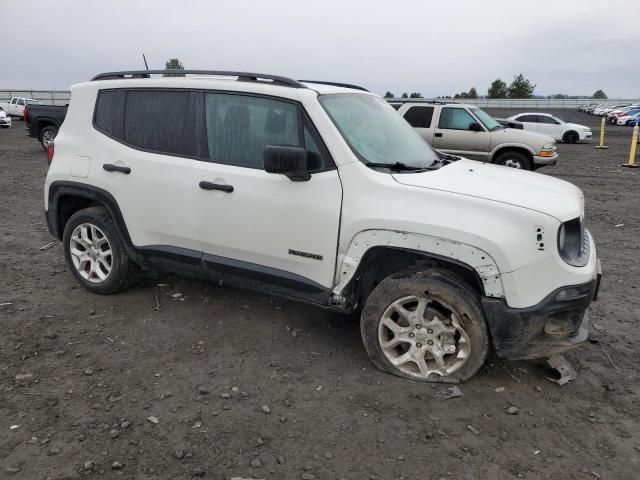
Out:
{"x": 21, "y": 101}
{"x": 165, "y": 121}
{"x": 109, "y": 116}
{"x": 528, "y": 118}
{"x": 455, "y": 119}
{"x": 240, "y": 126}
{"x": 419, "y": 117}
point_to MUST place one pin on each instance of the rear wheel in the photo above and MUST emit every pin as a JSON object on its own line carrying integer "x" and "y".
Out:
{"x": 570, "y": 137}
{"x": 514, "y": 159}
{"x": 47, "y": 135}
{"x": 95, "y": 253}
{"x": 425, "y": 325}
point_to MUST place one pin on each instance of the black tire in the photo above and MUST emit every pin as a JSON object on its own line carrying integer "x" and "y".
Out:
{"x": 123, "y": 269}
{"x": 445, "y": 290}
{"x": 47, "y": 134}
{"x": 514, "y": 159}
{"x": 571, "y": 137}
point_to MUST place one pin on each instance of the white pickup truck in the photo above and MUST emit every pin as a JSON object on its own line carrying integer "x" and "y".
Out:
{"x": 15, "y": 107}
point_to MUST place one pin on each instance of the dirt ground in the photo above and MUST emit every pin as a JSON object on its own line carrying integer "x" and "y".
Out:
{"x": 112, "y": 386}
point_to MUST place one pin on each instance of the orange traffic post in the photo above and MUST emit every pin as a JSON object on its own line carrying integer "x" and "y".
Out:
{"x": 632, "y": 152}
{"x": 602, "y": 145}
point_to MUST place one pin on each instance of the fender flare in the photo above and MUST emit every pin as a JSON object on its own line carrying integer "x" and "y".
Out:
{"x": 467, "y": 255}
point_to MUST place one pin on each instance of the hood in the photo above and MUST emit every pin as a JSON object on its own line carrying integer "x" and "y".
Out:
{"x": 520, "y": 188}
{"x": 535, "y": 139}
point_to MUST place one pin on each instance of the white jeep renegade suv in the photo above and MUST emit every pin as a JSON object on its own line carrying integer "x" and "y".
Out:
{"x": 321, "y": 192}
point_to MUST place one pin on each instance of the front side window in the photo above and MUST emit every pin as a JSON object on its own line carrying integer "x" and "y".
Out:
{"x": 419, "y": 117}
{"x": 547, "y": 120}
{"x": 528, "y": 118}
{"x": 486, "y": 119}
{"x": 239, "y": 127}
{"x": 375, "y": 132}
{"x": 14, "y": 100}
{"x": 455, "y": 119}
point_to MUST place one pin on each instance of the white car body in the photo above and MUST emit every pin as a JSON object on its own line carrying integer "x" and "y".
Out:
{"x": 5, "y": 120}
{"x": 15, "y": 107}
{"x": 552, "y": 126}
{"x": 501, "y": 223}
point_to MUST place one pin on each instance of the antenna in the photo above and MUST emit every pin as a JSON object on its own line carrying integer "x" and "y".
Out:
{"x": 145, "y": 62}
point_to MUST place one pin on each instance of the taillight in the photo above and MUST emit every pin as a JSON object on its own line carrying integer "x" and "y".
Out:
{"x": 26, "y": 114}
{"x": 50, "y": 154}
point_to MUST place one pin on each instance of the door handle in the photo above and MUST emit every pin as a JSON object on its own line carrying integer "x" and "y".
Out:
{"x": 216, "y": 186}
{"x": 437, "y": 134}
{"x": 110, "y": 167}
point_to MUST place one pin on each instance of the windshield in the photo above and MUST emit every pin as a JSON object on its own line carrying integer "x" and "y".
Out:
{"x": 488, "y": 121}
{"x": 376, "y": 132}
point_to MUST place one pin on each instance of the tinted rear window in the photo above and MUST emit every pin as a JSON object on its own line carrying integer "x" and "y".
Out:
{"x": 110, "y": 112}
{"x": 419, "y": 117}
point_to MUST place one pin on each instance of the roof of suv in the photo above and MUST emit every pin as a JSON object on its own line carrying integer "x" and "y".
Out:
{"x": 143, "y": 77}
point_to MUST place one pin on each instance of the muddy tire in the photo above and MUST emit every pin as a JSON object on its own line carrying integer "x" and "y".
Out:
{"x": 425, "y": 325}
{"x": 95, "y": 253}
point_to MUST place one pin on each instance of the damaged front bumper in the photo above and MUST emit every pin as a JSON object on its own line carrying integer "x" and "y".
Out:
{"x": 556, "y": 324}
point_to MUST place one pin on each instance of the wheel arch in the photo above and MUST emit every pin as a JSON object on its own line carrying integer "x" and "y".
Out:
{"x": 375, "y": 254}
{"x": 44, "y": 122}
{"x": 511, "y": 148}
{"x": 67, "y": 198}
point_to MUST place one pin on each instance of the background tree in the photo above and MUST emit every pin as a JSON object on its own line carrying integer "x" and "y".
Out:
{"x": 389, "y": 95}
{"x": 405, "y": 95}
{"x": 498, "y": 89}
{"x": 415, "y": 95}
{"x": 173, "y": 64}
{"x": 521, "y": 87}
{"x": 473, "y": 93}
{"x": 599, "y": 94}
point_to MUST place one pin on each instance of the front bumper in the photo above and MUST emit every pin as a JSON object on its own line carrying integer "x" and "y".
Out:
{"x": 558, "y": 323}
{"x": 539, "y": 161}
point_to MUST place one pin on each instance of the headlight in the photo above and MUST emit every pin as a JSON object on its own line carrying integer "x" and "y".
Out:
{"x": 573, "y": 242}
{"x": 549, "y": 146}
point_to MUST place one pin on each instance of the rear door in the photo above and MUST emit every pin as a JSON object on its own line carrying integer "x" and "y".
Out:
{"x": 276, "y": 232}
{"x": 549, "y": 126}
{"x": 453, "y": 134}
{"x": 529, "y": 122}
{"x": 155, "y": 139}
{"x": 420, "y": 117}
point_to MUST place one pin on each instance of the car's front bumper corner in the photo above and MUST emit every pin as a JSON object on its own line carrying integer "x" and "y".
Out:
{"x": 558, "y": 323}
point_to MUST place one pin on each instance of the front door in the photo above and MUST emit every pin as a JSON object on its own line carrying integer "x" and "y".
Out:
{"x": 453, "y": 134}
{"x": 279, "y": 234}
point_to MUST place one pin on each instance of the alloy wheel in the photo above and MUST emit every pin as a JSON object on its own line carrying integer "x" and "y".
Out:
{"x": 91, "y": 253}
{"x": 422, "y": 337}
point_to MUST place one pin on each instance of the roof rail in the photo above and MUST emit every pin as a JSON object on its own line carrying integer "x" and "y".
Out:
{"x": 419, "y": 100}
{"x": 336, "y": 84}
{"x": 242, "y": 76}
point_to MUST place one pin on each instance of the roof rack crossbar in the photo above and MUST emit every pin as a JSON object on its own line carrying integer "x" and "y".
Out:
{"x": 242, "y": 76}
{"x": 336, "y": 84}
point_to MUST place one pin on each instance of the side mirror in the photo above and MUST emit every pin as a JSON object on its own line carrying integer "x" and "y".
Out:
{"x": 475, "y": 127}
{"x": 287, "y": 160}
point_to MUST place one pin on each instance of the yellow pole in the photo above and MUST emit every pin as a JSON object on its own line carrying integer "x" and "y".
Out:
{"x": 602, "y": 145}
{"x": 632, "y": 152}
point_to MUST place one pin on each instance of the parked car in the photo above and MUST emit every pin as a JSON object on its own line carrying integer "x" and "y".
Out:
{"x": 43, "y": 122}
{"x": 321, "y": 192}
{"x": 5, "y": 120}
{"x": 629, "y": 119}
{"x": 612, "y": 117}
{"x": 15, "y": 106}
{"x": 468, "y": 131}
{"x": 553, "y": 126}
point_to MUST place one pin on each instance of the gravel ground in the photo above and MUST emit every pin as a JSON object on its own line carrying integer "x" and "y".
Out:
{"x": 221, "y": 383}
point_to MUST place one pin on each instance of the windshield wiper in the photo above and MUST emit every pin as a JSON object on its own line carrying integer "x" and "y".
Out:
{"x": 398, "y": 166}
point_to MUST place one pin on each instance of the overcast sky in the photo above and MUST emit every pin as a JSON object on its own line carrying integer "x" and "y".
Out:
{"x": 436, "y": 48}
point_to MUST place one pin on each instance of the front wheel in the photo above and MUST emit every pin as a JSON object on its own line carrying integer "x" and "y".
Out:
{"x": 425, "y": 325}
{"x": 514, "y": 160}
{"x": 571, "y": 137}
